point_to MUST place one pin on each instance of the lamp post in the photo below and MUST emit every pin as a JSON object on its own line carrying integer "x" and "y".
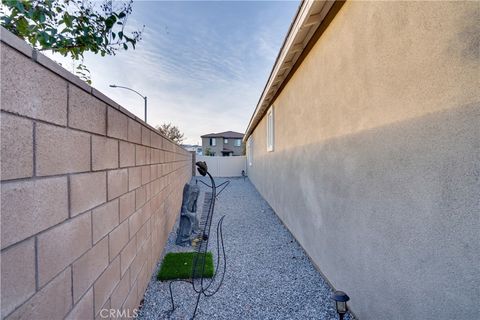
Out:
{"x": 340, "y": 299}
{"x": 144, "y": 97}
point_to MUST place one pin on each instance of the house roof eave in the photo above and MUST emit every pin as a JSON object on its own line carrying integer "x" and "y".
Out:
{"x": 226, "y": 135}
{"x": 308, "y": 19}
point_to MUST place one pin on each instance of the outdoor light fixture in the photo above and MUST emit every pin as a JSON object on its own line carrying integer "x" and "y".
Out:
{"x": 202, "y": 167}
{"x": 341, "y": 299}
{"x": 144, "y": 98}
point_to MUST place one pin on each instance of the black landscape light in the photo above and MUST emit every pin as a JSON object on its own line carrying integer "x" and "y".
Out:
{"x": 202, "y": 167}
{"x": 341, "y": 299}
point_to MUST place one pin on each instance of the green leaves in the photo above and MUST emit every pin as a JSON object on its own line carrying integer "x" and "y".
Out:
{"x": 42, "y": 17}
{"x": 68, "y": 20}
{"x": 22, "y": 25}
{"x": 70, "y": 27}
{"x": 110, "y": 22}
{"x": 19, "y": 6}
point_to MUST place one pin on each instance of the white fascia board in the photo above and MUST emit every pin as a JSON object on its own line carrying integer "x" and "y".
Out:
{"x": 293, "y": 43}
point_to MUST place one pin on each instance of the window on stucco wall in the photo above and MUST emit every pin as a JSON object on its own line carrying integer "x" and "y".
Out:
{"x": 270, "y": 129}
{"x": 250, "y": 150}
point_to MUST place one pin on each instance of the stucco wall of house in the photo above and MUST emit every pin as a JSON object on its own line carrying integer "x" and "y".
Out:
{"x": 237, "y": 151}
{"x": 217, "y": 149}
{"x": 89, "y": 194}
{"x": 376, "y": 163}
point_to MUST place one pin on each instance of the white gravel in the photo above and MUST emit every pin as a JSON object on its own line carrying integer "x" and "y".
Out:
{"x": 268, "y": 274}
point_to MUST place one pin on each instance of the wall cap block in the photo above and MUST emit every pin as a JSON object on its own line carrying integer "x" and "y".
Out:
{"x": 61, "y": 71}
{"x": 100, "y": 95}
{"x": 15, "y": 42}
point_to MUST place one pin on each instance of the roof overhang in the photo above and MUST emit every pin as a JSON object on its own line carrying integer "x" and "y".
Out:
{"x": 310, "y": 15}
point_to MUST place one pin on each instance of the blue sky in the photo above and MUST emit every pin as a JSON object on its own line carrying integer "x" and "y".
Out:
{"x": 202, "y": 64}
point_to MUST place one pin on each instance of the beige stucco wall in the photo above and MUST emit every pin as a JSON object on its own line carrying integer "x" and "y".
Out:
{"x": 89, "y": 194}
{"x": 377, "y": 158}
{"x": 224, "y": 166}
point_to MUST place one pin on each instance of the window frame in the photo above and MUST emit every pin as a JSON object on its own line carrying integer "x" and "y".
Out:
{"x": 239, "y": 141}
{"x": 225, "y": 141}
{"x": 213, "y": 142}
{"x": 270, "y": 129}
{"x": 250, "y": 142}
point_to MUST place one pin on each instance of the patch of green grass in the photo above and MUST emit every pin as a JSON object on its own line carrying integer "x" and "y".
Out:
{"x": 178, "y": 265}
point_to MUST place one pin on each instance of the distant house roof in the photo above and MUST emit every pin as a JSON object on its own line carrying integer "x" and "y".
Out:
{"x": 226, "y": 134}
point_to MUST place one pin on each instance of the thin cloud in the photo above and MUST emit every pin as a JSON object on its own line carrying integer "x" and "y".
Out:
{"x": 202, "y": 65}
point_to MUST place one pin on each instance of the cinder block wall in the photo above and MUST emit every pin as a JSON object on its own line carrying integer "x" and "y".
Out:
{"x": 89, "y": 193}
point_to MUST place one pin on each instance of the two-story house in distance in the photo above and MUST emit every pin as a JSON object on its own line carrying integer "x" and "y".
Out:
{"x": 228, "y": 143}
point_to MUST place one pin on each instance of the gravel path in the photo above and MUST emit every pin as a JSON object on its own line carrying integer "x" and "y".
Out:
{"x": 268, "y": 274}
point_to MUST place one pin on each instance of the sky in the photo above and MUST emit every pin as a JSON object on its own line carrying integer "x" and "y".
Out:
{"x": 202, "y": 64}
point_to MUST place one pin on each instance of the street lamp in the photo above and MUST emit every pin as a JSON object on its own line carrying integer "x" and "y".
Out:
{"x": 144, "y": 97}
{"x": 340, "y": 299}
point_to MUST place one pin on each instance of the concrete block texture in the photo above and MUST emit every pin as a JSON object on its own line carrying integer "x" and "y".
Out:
{"x": 104, "y": 219}
{"x": 117, "y": 124}
{"x": 31, "y": 90}
{"x": 60, "y": 150}
{"x": 104, "y": 153}
{"x": 127, "y": 205}
{"x": 140, "y": 197}
{"x": 60, "y": 246}
{"x": 137, "y": 263}
{"x": 53, "y": 301}
{"x": 146, "y": 139}
{"x": 120, "y": 293}
{"x": 136, "y": 221}
{"x": 148, "y": 155}
{"x": 89, "y": 267}
{"x": 85, "y": 112}
{"x": 83, "y": 309}
{"x": 87, "y": 190}
{"x": 117, "y": 183}
{"x": 127, "y": 255}
{"x": 16, "y": 142}
{"x": 131, "y": 300}
{"x": 146, "y": 177}
{"x": 154, "y": 156}
{"x": 156, "y": 140}
{"x": 117, "y": 239}
{"x": 134, "y": 131}
{"x": 31, "y": 206}
{"x": 105, "y": 284}
{"x": 127, "y": 154}
{"x": 380, "y": 185}
{"x": 18, "y": 275}
{"x": 106, "y": 306}
{"x": 134, "y": 178}
{"x": 140, "y": 155}
{"x": 66, "y": 206}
